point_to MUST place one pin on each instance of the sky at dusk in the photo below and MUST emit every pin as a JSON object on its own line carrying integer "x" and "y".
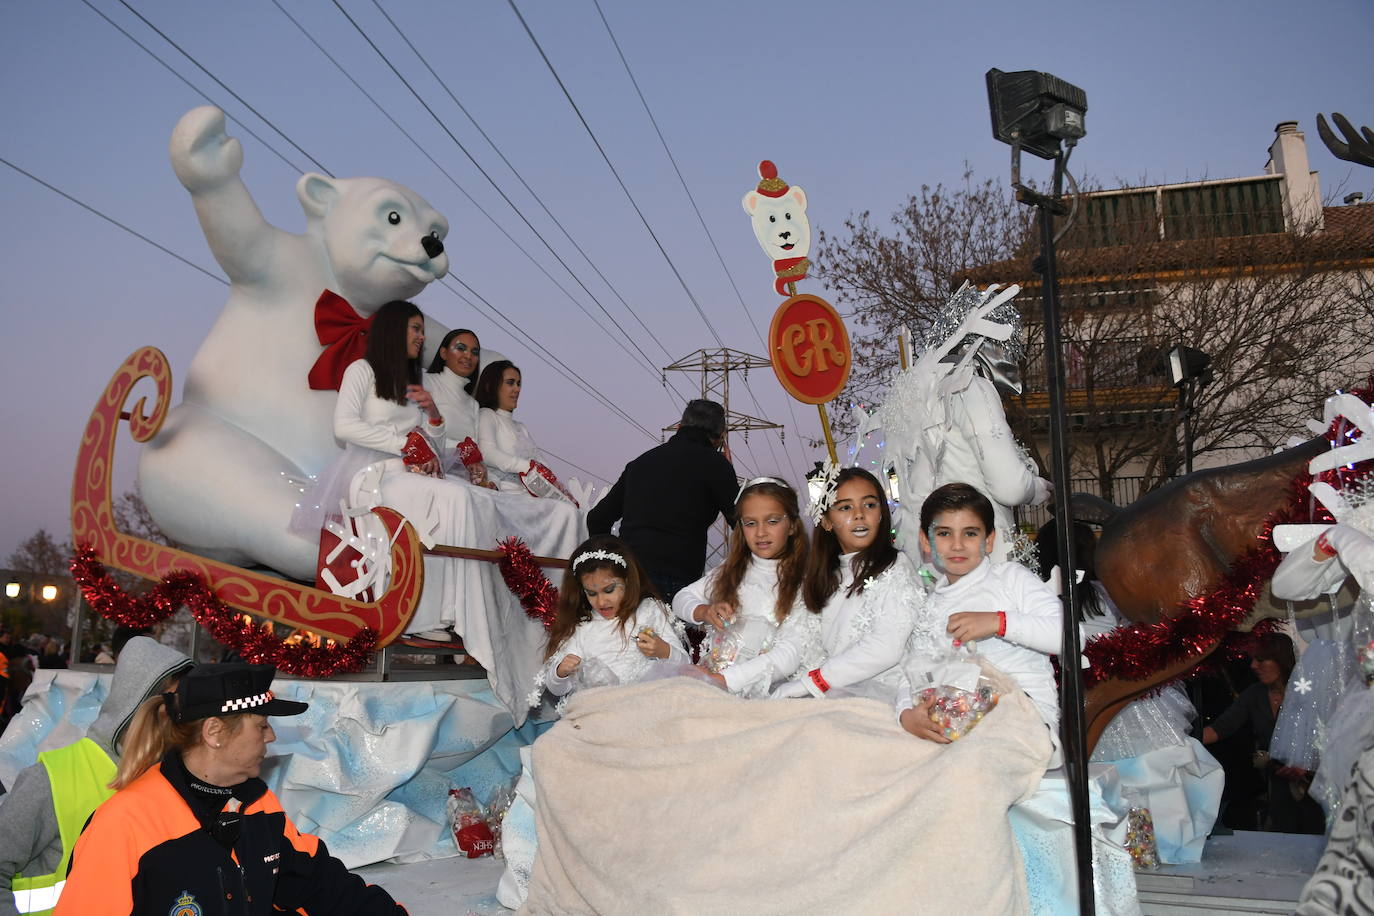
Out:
{"x": 860, "y": 103}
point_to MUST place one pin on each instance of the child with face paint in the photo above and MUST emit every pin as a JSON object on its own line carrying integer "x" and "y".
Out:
{"x": 757, "y": 589}
{"x": 864, "y": 591}
{"x": 608, "y": 611}
{"x": 1013, "y": 617}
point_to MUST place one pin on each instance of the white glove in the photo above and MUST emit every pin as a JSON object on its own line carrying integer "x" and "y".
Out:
{"x": 790, "y": 691}
{"x": 1344, "y": 539}
{"x": 1044, "y": 491}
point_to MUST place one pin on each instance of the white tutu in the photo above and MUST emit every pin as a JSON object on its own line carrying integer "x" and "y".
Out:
{"x": 1152, "y": 722}
{"x": 1347, "y": 734}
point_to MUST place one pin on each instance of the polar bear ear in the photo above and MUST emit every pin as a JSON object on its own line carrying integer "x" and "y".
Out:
{"x": 316, "y": 193}
{"x": 751, "y": 201}
{"x": 798, "y": 195}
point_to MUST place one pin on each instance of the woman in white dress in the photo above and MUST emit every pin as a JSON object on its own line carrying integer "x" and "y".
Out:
{"x": 507, "y": 446}
{"x": 451, "y": 378}
{"x": 394, "y": 431}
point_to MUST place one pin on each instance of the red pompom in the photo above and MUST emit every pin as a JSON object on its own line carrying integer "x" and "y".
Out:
{"x": 767, "y": 170}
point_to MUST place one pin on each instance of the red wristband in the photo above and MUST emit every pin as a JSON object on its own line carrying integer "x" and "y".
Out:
{"x": 1001, "y": 623}
{"x": 819, "y": 680}
{"x": 1324, "y": 545}
{"x": 436, "y": 421}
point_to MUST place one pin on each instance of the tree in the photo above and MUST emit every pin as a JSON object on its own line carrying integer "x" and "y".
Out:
{"x": 1283, "y": 314}
{"x": 41, "y": 553}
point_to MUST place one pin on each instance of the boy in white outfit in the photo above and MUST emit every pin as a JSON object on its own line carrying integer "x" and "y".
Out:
{"x": 1015, "y": 619}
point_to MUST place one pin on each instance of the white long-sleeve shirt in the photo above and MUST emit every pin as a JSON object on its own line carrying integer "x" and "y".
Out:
{"x": 507, "y": 447}
{"x": 604, "y": 640}
{"x": 459, "y": 409}
{"x": 362, "y": 418}
{"x": 1034, "y": 628}
{"x": 770, "y": 651}
{"x": 1300, "y": 578}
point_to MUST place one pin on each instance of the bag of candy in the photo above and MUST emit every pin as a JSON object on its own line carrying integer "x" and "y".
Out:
{"x": 963, "y": 686}
{"x": 469, "y": 457}
{"x": 469, "y": 824}
{"x": 1140, "y": 832}
{"x": 542, "y": 482}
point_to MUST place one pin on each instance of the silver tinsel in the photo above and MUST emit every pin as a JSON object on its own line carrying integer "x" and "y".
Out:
{"x": 956, "y": 311}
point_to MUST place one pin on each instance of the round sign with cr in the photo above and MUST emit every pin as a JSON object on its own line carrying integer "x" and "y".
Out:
{"x": 809, "y": 348}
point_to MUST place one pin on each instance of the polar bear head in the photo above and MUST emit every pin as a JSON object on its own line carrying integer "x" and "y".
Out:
{"x": 779, "y": 215}
{"x": 382, "y": 241}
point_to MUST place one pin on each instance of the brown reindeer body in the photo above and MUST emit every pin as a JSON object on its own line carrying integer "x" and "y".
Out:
{"x": 1179, "y": 542}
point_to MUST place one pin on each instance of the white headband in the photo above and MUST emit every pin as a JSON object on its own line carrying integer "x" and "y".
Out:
{"x": 599, "y": 555}
{"x": 758, "y": 480}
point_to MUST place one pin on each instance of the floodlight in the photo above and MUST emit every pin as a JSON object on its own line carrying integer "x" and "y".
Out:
{"x": 11, "y": 589}
{"x": 1035, "y": 110}
{"x": 49, "y": 592}
{"x": 1187, "y": 364}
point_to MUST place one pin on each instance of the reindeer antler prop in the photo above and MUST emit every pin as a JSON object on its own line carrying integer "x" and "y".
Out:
{"x": 1358, "y": 146}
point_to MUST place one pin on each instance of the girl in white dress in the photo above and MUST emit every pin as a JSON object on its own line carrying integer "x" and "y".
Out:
{"x": 507, "y": 446}
{"x": 611, "y": 627}
{"x": 752, "y": 601}
{"x": 864, "y": 590}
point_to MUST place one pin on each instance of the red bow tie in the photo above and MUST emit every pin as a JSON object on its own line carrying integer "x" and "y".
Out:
{"x": 343, "y": 332}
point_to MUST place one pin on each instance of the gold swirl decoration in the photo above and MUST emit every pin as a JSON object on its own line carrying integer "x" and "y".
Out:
{"x": 266, "y": 596}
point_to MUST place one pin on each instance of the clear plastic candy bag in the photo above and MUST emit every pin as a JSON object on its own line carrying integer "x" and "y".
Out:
{"x": 957, "y": 711}
{"x": 1140, "y": 833}
{"x": 741, "y": 639}
{"x": 593, "y": 672}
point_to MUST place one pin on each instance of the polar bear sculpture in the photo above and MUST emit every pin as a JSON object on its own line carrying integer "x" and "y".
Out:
{"x": 778, "y": 212}
{"x": 223, "y": 475}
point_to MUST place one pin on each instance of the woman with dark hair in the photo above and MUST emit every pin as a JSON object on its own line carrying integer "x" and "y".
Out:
{"x": 1291, "y": 809}
{"x": 451, "y": 379}
{"x": 507, "y": 446}
{"x": 192, "y": 829}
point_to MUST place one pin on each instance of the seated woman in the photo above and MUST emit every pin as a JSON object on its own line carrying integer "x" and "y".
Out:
{"x": 507, "y": 446}
{"x": 192, "y": 824}
{"x": 450, "y": 379}
{"x": 393, "y": 431}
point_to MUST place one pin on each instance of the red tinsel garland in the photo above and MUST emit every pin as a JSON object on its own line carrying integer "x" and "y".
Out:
{"x": 1136, "y": 651}
{"x": 255, "y": 643}
{"x": 527, "y": 581}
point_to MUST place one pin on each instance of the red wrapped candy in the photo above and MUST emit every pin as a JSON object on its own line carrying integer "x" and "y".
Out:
{"x": 417, "y": 452}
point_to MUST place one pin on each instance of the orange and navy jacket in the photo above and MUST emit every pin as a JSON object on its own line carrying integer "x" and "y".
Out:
{"x": 145, "y": 851}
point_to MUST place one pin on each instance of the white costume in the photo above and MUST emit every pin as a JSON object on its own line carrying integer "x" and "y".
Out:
{"x": 457, "y": 406}
{"x": 1034, "y": 628}
{"x": 1347, "y": 730}
{"x": 768, "y": 651}
{"x": 944, "y": 422}
{"x": 507, "y": 448}
{"x": 469, "y": 594}
{"x": 604, "y": 640}
{"x": 864, "y": 636}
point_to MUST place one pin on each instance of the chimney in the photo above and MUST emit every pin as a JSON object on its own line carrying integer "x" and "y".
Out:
{"x": 1302, "y": 196}
{"x": 1353, "y": 198}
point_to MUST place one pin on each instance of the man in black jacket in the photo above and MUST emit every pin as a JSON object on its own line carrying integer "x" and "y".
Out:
{"x": 667, "y": 498}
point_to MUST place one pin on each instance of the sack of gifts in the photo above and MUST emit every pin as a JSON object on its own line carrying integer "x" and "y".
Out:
{"x": 541, "y": 482}
{"x": 469, "y": 456}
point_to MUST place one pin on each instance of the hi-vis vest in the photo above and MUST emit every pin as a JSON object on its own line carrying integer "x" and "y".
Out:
{"x": 79, "y": 775}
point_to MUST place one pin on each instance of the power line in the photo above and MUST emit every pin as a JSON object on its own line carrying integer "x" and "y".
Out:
{"x": 711, "y": 238}
{"x": 194, "y": 88}
{"x": 386, "y": 60}
{"x": 577, "y": 466}
{"x": 648, "y": 366}
{"x": 516, "y": 172}
{"x": 110, "y": 219}
{"x": 663, "y": 251}
{"x": 222, "y": 85}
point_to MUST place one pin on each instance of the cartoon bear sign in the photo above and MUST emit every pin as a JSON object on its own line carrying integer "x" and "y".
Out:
{"x": 778, "y": 212}
{"x": 224, "y": 473}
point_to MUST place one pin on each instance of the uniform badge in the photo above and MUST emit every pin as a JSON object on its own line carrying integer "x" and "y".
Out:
{"x": 186, "y": 905}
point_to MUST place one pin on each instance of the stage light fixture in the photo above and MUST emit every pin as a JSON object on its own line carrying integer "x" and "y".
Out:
{"x": 11, "y": 589}
{"x": 49, "y": 592}
{"x": 1187, "y": 364}
{"x": 1035, "y": 110}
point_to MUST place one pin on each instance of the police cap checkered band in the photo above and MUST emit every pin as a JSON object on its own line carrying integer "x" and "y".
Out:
{"x": 227, "y": 689}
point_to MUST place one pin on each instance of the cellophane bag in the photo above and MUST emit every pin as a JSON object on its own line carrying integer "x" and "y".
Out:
{"x": 469, "y": 456}
{"x": 469, "y": 824}
{"x": 741, "y": 639}
{"x": 496, "y": 815}
{"x": 542, "y": 482}
{"x": 594, "y": 673}
{"x": 965, "y": 687}
{"x": 1140, "y": 833}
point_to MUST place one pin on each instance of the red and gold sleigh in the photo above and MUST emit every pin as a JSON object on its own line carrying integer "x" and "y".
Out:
{"x": 259, "y": 594}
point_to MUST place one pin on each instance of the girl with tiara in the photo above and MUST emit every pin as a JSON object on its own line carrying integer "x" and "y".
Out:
{"x": 611, "y": 627}
{"x": 863, "y": 590}
{"x": 752, "y": 602}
